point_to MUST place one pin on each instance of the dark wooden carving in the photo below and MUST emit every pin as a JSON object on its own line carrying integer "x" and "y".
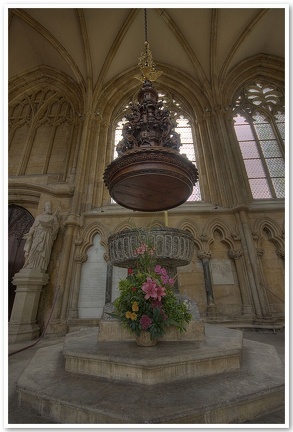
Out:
{"x": 19, "y": 223}
{"x": 150, "y": 174}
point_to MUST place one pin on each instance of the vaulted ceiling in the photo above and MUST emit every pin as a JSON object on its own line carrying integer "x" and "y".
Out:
{"x": 93, "y": 45}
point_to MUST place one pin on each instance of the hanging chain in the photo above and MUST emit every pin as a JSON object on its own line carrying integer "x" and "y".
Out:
{"x": 145, "y": 26}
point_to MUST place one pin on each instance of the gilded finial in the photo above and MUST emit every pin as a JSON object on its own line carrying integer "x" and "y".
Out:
{"x": 147, "y": 66}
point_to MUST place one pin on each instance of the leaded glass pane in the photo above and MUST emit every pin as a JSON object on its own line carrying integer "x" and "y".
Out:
{"x": 270, "y": 149}
{"x": 239, "y": 120}
{"x": 281, "y": 127}
{"x": 196, "y": 195}
{"x": 244, "y": 132}
{"x": 276, "y": 167}
{"x": 279, "y": 185}
{"x": 257, "y": 138}
{"x": 254, "y": 168}
{"x": 182, "y": 122}
{"x": 188, "y": 149}
{"x": 280, "y": 117}
{"x": 249, "y": 150}
{"x": 264, "y": 131}
{"x": 259, "y": 118}
{"x": 185, "y": 135}
{"x": 260, "y": 188}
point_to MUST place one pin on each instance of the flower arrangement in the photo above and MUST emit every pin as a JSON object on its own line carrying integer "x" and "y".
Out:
{"x": 147, "y": 301}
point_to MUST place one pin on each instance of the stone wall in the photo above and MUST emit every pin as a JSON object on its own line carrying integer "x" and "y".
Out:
{"x": 237, "y": 271}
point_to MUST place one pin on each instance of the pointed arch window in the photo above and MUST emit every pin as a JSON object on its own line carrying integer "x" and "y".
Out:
{"x": 259, "y": 124}
{"x": 183, "y": 127}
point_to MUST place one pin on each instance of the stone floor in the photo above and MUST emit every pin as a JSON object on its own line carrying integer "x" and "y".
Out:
{"x": 20, "y": 356}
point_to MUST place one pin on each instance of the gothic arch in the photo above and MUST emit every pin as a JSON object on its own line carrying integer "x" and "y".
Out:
{"x": 88, "y": 235}
{"x": 117, "y": 93}
{"x": 45, "y": 76}
{"x": 192, "y": 228}
{"x": 223, "y": 228}
{"x": 262, "y": 67}
{"x": 272, "y": 229}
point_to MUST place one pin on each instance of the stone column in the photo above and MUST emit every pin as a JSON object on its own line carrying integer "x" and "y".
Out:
{"x": 205, "y": 256}
{"x": 262, "y": 290}
{"x": 108, "y": 296}
{"x": 22, "y": 325}
{"x": 79, "y": 259}
{"x": 236, "y": 255}
{"x": 249, "y": 256}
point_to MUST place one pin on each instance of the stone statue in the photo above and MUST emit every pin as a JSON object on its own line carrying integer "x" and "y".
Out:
{"x": 40, "y": 238}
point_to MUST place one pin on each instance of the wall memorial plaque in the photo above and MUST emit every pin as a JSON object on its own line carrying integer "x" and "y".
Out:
{"x": 93, "y": 282}
{"x": 221, "y": 271}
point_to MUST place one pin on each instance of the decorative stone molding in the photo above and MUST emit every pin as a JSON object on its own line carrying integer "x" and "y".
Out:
{"x": 260, "y": 252}
{"x": 173, "y": 247}
{"x": 235, "y": 236}
{"x": 203, "y": 237}
{"x": 280, "y": 253}
{"x": 235, "y": 253}
{"x": 81, "y": 257}
{"x": 78, "y": 241}
{"x": 204, "y": 255}
{"x": 255, "y": 235}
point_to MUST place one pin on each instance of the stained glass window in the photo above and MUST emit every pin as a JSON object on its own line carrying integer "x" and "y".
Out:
{"x": 259, "y": 123}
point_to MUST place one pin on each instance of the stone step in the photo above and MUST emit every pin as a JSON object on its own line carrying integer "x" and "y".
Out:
{"x": 257, "y": 388}
{"x": 167, "y": 361}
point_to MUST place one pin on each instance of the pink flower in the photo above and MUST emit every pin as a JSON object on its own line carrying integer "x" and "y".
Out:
{"x": 150, "y": 288}
{"x": 165, "y": 279}
{"x": 171, "y": 281}
{"x": 158, "y": 269}
{"x": 145, "y": 322}
{"x": 164, "y": 272}
{"x": 160, "y": 292}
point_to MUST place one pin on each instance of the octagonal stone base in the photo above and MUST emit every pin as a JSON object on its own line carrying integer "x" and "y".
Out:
{"x": 165, "y": 362}
{"x": 234, "y": 396}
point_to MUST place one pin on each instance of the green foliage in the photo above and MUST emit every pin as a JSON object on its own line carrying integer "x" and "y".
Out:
{"x": 147, "y": 301}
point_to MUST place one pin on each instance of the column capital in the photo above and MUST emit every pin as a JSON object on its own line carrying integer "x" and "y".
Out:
{"x": 235, "y": 253}
{"x": 204, "y": 255}
{"x": 80, "y": 257}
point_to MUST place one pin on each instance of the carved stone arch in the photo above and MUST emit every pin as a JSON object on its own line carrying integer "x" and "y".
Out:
{"x": 120, "y": 90}
{"x": 46, "y": 77}
{"x": 263, "y": 67}
{"x": 191, "y": 227}
{"x": 274, "y": 232}
{"x": 223, "y": 228}
{"x": 157, "y": 224}
{"x": 22, "y": 194}
{"x": 123, "y": 226}
{"x": 56, "y": 98}
{"x": 88, "y": 235}
{"x": 41, "y": 85}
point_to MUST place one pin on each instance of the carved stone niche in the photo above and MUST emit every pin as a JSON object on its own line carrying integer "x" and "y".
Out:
{"x": 173, "y": 247}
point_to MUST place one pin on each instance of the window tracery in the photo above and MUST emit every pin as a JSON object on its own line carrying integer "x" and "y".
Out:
{"x": 259, "y": 124}
{"x": 40, "y": 128}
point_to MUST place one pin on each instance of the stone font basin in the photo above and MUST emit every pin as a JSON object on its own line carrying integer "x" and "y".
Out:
{"x": 173, "y": 247}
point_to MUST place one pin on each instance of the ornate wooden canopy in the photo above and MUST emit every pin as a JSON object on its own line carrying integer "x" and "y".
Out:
{"x": 149, "y": 173}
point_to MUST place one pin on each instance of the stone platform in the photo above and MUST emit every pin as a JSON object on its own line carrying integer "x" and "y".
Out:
{"x": 165, "y": 362}
{"x": 234, "y": 396}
